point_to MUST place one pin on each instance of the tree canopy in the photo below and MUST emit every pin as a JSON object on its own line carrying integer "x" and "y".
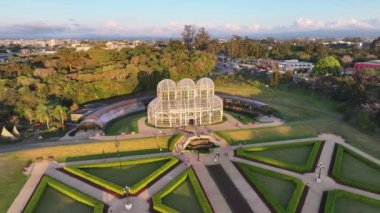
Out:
{"x": 327, "y": 65}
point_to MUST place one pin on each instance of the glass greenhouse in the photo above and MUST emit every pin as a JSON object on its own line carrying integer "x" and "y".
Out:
{"x": 185, "y": 103}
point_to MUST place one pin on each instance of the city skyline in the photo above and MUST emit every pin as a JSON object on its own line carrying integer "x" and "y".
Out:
{"x": 165, "y": 19}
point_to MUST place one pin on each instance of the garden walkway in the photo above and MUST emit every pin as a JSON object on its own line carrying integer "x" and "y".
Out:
{"x": 216, "y": 199}
{"x": 316, "y": 190}
{"x": 163, "y": 181}
{"x": 35, "y": 175}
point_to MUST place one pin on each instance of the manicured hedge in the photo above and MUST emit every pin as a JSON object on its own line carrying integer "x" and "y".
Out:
{"x": 297, "y": 194}
{"x": 202, "y": 199}
{"x": 307, "y": 167}
{"x": 173, "y": 140}
{"x": 265, "y": 134}
{"x": 76, "y": 170}
{"x": 338, "y": 164}
{"x": 47, "y": 181}
{"x": 332, "y": 196}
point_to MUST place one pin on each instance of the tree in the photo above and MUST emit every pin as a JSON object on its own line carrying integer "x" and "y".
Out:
{"x": 375, "y": 45}
{"x": 327, "y": 65}
{"x": 29, "y": 114}
{"x": 274, "y": 80}
{"x": 346, "y": 60}
{"x": 289, "y": 75}
{"x": 42, "y": 114}
{"x": 202, "y": 39}
{"x": 60, "y": 112}
{"x": 188, "y": 35}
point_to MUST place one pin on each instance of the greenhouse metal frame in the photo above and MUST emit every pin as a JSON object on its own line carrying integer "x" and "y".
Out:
{"x": 185, "y": 103}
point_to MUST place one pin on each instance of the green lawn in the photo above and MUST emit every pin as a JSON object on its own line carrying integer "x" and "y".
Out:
{"x": 299, "y": 157}
{"x": 54, "y": 201}
{"x": 114, "y": 155}
{"x": 293, "y": 104}
{"x": 183, "y": 198}
{"x": 355, "y": 170}
{"x": 282, "y": 192}
{"x": 339, "y": 201}
{"x": 367, "y": 143}
{"x": 182, "y": 194}
{"x": 116, "y": 175}
{"x": 127, "y": 124}
{"x": 344, "y": 205}
{"x": 244, "y": 118}
{"x": 292, "y": 155}
{"x": 293, "y": 113}
{"x": 299, "y": 105}
{"x": 126, "y": 175}
{"x": 12, "y": 179}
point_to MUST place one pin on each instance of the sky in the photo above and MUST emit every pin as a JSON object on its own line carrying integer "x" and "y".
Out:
{"x": 166, "y": 18}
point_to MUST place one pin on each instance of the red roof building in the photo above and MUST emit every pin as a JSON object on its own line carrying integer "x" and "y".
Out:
{"x": 375, "y": 64}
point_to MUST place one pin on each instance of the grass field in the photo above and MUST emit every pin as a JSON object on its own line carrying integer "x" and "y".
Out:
{"x": 12, "y": 163}
{"x": 182, "y": 194}
{"x": 183, "y": 198}
{"x": 114, "y": 154}
{"x": 54, "y": 201}
{"x": 244, "y": 118}
{"x": 282, "y": 192}
{"x": 363, "y": 172}
{"x": 299, "y": 157}
{"x": 340, "y": 201}
{"x": 126, "y": 125}
{"x": 293, "y": 104}
{"x": 292, "y": 155}
{"x": 355, "y": 170}
{"x": 126, "y": 175}
{"x": 365, "y": 142}
{"x": 306, "y": 108}
{"x": 344, "y": 205}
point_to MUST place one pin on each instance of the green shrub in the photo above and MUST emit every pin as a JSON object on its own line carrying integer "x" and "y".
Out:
{"x": 332, "y": 196}
{"x": 338, "y": 165}
{"x": 76, "y": 170}
{"x": 202, "y": 199}
{"x": 47, "y": 181}
{"x": 307, "y": 167}
{"x": 173, "y": 140}
{"x": 296, "y": 197}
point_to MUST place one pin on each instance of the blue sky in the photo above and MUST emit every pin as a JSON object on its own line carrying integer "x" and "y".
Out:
{"x": 165, "y": 18}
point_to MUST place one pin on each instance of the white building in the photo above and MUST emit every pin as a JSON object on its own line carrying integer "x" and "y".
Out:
{"x": 294, "y": 65}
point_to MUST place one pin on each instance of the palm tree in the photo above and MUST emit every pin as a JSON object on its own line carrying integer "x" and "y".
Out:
{"x": 42, "y": 114}
{"x": 29, "y": 114}
{"x": 62, "y": 112}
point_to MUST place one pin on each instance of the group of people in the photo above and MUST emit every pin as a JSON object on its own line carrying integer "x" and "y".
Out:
{"x": 217, "y": 155}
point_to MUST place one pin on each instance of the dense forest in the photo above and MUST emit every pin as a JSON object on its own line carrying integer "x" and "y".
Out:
{"x": 45, "y": 88}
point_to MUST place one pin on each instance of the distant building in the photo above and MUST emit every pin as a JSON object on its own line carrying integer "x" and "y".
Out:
{"x": 294, "y": 65}
{"x": 286, "y": 65}
{"x": 375, "y": 64}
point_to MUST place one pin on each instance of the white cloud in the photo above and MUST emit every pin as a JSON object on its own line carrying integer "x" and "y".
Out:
{"x": 112, "y": 27}
{"x": 305, "y": 23}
